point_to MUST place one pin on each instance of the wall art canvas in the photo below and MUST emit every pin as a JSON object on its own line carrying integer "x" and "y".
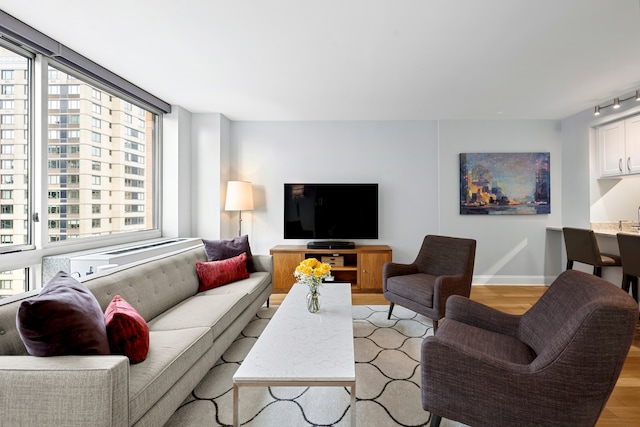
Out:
{"x": 505, "y": 183}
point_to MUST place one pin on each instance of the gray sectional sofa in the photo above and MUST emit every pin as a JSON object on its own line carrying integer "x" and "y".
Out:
{"x": 189, "y": 331}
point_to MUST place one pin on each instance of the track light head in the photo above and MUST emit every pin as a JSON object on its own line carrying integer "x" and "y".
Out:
{"x": 596, "y": 112}
{"x": 616, "y": 103}
{"x": 638, "y": 95}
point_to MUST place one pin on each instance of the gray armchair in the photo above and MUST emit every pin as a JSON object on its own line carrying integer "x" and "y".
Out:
{"x": 443, "y": 267}
{"x": 555, "y": 365}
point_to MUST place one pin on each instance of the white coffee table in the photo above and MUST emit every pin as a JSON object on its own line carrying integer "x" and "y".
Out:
{"x": 298, "y": 348}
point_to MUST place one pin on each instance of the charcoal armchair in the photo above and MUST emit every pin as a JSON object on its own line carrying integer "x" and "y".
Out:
{"x": 443, "y": 267}
{"x": 555, "y": 365}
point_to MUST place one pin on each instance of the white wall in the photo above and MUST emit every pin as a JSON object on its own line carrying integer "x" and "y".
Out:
{"x": 176, "y": 167}
{"x": 510, "y": 249}
{"x": 402, "y": 157}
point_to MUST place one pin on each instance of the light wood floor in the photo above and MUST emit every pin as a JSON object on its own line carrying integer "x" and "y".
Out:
{"x": 623, "y": 407}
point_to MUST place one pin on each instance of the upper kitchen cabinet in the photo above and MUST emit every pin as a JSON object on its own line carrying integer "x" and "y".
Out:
{"x": 619, "y": 148}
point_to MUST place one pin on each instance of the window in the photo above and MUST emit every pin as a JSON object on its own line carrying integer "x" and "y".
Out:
{"x": 6, "y": 284}
{"x": 95, "y": 223}
{"x": 75, "y": 135}
{"x": 134, "y": 221}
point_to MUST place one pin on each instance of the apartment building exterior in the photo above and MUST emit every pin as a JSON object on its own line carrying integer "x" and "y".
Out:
{"x": 99, "y": 157}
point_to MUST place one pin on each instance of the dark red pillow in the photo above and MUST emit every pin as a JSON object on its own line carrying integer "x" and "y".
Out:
{"x": 63, "y": 319}
{"x": 223, "y": 249}
{"x": 217, "y": 273}
{"x": 127, "y": 331}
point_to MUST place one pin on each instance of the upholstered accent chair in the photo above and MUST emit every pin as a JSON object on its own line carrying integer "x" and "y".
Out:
{"x": 443, "y": 267}
{"x": 582, "y": 246}
{"x": 555, "y": 365}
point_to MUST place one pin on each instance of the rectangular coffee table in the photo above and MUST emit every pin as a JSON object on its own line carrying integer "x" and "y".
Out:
{"x": 298, "y": 348}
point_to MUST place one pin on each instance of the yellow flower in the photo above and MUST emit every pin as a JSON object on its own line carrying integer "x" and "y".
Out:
{"x": 311, "y": 271}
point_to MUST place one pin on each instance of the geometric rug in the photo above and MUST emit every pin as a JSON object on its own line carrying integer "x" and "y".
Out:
{"x": 387, "y": 356}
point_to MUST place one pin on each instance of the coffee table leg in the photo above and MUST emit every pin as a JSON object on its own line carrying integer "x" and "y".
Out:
{"x": 353, "y": 404}
{"x": 235, "y": 405}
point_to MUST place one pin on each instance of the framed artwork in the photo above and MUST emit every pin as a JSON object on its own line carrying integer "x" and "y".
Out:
{"x": 505, "y": 184}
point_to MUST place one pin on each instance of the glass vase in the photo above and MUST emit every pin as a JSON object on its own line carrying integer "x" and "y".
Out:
{"x": 313, "y": 301}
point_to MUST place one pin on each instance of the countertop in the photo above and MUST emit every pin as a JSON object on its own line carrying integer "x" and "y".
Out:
{"x": 608, "y": 228}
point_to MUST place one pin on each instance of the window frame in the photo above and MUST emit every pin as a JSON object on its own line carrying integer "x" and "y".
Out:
{"x": 29, "y": 256}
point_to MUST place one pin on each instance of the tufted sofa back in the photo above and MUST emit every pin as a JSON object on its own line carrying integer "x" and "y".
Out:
{"x": 151, "y": 286}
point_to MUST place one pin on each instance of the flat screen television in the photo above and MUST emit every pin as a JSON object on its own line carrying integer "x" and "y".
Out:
{"x": 330, "y": 211}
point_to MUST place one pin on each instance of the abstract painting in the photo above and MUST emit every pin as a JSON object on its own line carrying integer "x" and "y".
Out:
{"x": 505, "y": 183}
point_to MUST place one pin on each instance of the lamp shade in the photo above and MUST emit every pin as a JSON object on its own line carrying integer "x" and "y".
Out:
{"x": 239, "y": 196}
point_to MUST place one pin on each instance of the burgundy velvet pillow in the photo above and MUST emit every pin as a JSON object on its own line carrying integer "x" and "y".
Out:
{"x": 63, "y": 319}
{"x": 223, "y": 249}
{"x": 127, "y": 331}
{"x": 217, "y": 273}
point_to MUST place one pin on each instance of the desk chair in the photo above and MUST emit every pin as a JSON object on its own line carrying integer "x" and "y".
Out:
{"x": 582, "y": 246}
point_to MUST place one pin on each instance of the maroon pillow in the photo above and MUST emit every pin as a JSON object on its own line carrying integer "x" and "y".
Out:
{"x": 63, "y": 319}
{"x": 127, "y": 331}
{"x": 217, "y": 273}
{"x": 223, "y": 249}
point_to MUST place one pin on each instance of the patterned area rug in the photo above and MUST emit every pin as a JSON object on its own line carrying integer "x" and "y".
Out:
{"x": 387, "y": 354}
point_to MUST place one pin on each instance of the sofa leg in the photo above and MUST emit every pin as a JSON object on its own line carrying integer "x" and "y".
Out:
{"x": 267, "y": 302}
{"x": 435, "y": 420}
{"x": 390, "y": 310}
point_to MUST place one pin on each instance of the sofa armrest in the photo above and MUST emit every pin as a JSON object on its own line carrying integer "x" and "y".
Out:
{"x": 263, "y": 263}
{"x": 64, "y": 390}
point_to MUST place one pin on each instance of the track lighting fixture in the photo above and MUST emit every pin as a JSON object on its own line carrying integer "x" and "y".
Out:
{"x": 616, "y": 103}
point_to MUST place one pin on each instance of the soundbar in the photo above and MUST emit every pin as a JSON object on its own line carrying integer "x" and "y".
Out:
{"x": 331, "y": 244}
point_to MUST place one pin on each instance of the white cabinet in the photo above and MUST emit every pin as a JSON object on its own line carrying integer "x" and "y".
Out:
{"x": 619, "y": 148}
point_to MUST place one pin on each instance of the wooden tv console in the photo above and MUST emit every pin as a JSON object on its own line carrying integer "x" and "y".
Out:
{"x": 362, "y": 265}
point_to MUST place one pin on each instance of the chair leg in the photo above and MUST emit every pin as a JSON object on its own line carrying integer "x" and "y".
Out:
{"x": 597, "y": 270}
{"x": 390, "y": 310}
{"x": 435, "y": 420}
{"x": 267, "y": 302}
{"x": 435, "y": 326}
{"x": 569, "y": 264}
{"x": 633, "y": 281}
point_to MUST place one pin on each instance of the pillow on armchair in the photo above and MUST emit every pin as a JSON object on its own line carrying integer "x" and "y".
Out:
{"x": 63, "y": 319}
{"x": 224, "y": 249}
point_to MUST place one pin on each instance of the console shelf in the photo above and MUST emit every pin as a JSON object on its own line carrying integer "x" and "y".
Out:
{"x": 362, "y": 265}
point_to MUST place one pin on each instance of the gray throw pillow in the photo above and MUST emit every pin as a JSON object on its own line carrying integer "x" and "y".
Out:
{"x": 63, "y": 319}
{"x": 218, "y": 250}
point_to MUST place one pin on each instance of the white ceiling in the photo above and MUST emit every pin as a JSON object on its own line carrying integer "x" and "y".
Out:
{"x": 358, "y": 59}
